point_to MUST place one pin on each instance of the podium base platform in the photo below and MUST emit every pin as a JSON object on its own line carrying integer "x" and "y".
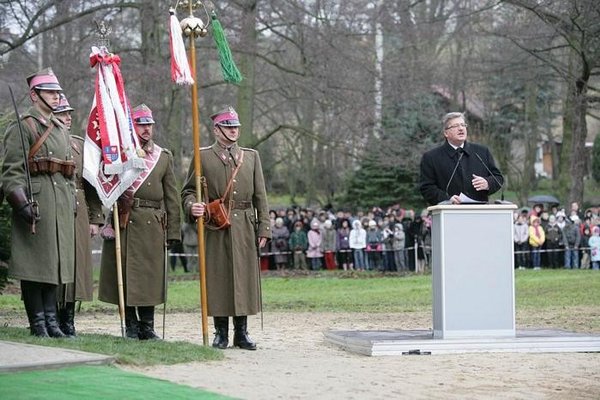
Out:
{"x": 422, "y": 342}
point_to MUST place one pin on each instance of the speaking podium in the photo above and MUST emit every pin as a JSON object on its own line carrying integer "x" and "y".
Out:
{"x": 473, "y": 271}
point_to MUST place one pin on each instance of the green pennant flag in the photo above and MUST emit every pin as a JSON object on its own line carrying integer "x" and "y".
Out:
{"x": 228, "y": 68}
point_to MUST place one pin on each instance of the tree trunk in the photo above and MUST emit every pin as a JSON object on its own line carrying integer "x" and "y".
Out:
{"x": 247, "y": 62}
{"x": 578, "y": 154}
{"x": 531, "y": 138}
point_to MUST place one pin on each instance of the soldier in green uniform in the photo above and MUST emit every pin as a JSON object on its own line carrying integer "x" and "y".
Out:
{"x": 149, "y": 215}
{"x": 88, "y": 220}
{"x": 43, "y": 260}
{"x": 232, "y": 274}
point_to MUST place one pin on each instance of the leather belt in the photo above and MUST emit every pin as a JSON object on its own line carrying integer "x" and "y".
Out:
{"x": 50, "y": 166}
{"x": 146, "y": 203}
{"x": 240, "y": 205}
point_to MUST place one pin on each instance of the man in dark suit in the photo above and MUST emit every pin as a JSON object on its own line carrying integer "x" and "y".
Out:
{"x": 458, "y": 167}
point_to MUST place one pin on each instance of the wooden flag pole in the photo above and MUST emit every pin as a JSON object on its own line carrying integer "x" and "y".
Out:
{"x": 193, "y": 28}
{"x": 117, "y": 230}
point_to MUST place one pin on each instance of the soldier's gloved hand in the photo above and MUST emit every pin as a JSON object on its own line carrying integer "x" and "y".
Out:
{"x": 171, "y": 243}
{"x": 22, "y": 206}
{"x": 29, "y": 213}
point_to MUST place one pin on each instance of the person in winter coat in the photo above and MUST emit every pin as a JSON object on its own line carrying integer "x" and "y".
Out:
{"x": 232, "y": 276}
{"x": 521, "y": 238}
{"x": 88, "y": 220}
{"x": 388, "y": 249}
{"x": 150, "y": 220}
{"x": 298, "y": 244}
{"x": 594, "y": 244}
{"x": 374, "y": 246}
{"x": 537, "y": 238}
{"x": 554, "y": 243}
{"x": 572, "y": 241}
{"x": 344, "y": 252}
{"x": 328, "y": 244}
{"x": 398, "y": 245}
{"x": 279, "y": 244}
{"x": 358, "y": 243}
{"x": 314, "y": 246}
{"x": 44, "y": 260}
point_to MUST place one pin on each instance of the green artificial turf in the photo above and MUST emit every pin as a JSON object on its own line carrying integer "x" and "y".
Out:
{"x": 94, "y": 382}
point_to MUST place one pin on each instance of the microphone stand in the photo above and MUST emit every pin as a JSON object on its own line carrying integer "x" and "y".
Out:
{"x": 461, "y": 154}
{"x": 495, "y": 179}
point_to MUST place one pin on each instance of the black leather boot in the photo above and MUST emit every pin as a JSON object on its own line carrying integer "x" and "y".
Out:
{"x": 49, "y": 297}
{"x": 132, "y": 326}
{"x": 66, "y": 319}
{"x": 221, "y": 332}
{"x": 34, "y": 306}
{"x": 240, "y": 335}
{"x": 147, "y": 323}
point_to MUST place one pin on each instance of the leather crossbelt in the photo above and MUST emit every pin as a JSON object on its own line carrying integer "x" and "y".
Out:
{"x": 146, "y": 203}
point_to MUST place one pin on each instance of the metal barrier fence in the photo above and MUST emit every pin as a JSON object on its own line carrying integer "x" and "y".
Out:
{"x": 415, "y": 248}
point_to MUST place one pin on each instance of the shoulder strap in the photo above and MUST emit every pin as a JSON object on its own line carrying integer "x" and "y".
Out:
{"x": 235, "y": 171}
{"x": 41, "y": 139}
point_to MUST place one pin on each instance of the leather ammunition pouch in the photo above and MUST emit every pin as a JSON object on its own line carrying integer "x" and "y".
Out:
{"x": 50, "y": 166}
{"x": 218, "y": 215}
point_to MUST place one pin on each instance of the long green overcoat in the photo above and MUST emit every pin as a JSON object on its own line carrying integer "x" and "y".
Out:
{"x": 143, "y": 240}
{"x": 232, "y": 273}
{"x": 48, "y": 256}
{"x": 89, "y": 211}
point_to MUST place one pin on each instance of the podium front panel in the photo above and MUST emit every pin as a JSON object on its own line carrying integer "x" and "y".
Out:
{"x": 473, "y": 271}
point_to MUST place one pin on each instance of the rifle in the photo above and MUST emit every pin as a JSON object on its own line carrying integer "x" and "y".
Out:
{"x": 34, "y": 204}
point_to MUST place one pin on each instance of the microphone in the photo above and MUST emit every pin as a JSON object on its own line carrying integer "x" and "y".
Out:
{"x": 501, "y": 201}
{"x": 461, "y": 153}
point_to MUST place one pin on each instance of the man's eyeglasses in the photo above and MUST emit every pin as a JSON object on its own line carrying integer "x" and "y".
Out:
{"x": 456, "y": 126}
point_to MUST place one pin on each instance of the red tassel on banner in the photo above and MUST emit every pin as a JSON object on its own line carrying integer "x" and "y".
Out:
{"x": 180, "y": 68}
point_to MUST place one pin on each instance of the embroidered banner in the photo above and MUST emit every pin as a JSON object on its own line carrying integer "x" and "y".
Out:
{"x": 111, "y": 161}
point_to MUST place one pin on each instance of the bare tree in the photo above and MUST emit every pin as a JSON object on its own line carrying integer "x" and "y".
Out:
{"x": 574, "y": 55}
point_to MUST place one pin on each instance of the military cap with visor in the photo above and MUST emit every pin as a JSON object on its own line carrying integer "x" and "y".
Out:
{"x": 142, "y": 115}
{"x": 43, "y": 80}
{"x": 226, "y": 117}
{"x": 63, "y": 105}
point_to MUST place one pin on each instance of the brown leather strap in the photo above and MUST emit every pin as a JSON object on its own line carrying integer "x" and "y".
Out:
{"x": 40, "y": 141}
{"x": 235, "y": 171}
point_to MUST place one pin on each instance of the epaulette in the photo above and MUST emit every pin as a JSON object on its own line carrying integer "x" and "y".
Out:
{"x": 205, "y": 148}
{"x": 169, "y": 152}
{"x": 43, "y": 121}
{"x": 248, "y": 149}
{"x": 77, "y": 138}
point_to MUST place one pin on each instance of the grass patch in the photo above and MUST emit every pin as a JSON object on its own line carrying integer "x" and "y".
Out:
{"x": 133, "y": 352}
{"x": 570, "y": 298}
{"x": 94, "y": 383}
{"x": 347, "y": 293}
{"x": 369, "y": 292}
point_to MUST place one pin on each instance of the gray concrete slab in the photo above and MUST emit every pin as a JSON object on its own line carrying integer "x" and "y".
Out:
{"x": 25, "y": 357}
{"x": 413, "y": 342}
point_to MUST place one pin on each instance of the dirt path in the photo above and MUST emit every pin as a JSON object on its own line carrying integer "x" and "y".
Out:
{"x": 294, "y": 362}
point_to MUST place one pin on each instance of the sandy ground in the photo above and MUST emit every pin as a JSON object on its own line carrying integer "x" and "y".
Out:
{"x": 294, "y": 362}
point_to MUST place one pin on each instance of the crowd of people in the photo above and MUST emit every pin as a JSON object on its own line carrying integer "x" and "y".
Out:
{"x": 378, "y": 240}
{"x": 555, "y": 238}
{"x": 392, "y": 240}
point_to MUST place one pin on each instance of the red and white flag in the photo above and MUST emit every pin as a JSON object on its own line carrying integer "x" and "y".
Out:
{"x": 111, "y": 161}
{"x": 180, "y": 68}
